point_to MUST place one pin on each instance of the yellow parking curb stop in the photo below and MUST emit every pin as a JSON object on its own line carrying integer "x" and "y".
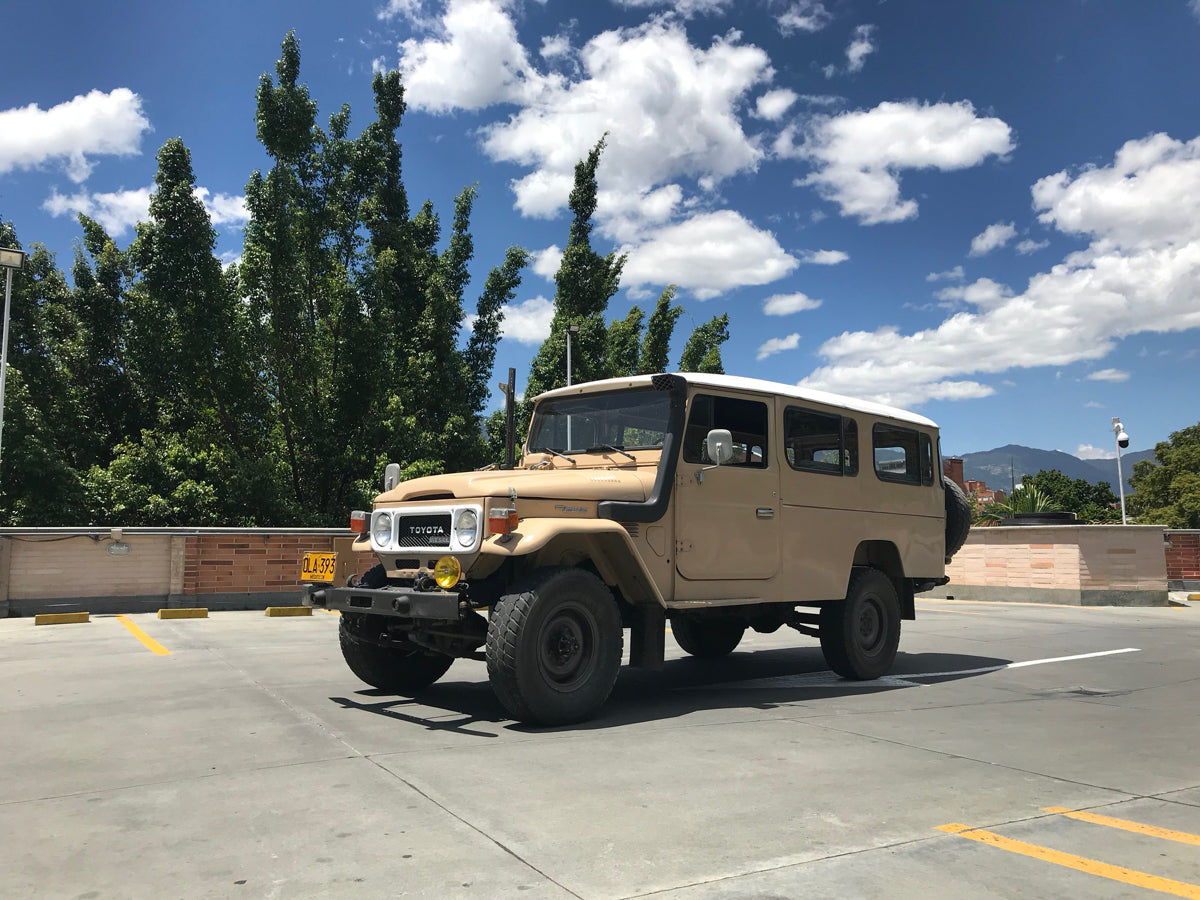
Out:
{"x": 61, "y": 618}
{"x": 199, "y": 612}
{"x": 277, "y": 611}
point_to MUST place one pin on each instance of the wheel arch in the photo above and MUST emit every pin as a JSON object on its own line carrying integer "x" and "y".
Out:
{"x": 885, "y": 556}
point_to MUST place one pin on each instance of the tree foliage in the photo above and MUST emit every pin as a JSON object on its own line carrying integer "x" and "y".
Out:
{"x": 1091, "y": 503}
{"x": 1167, "y": 491}
{"x": 163, "y": 388}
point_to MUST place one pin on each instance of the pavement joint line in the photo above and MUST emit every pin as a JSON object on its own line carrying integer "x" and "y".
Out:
{"x": 475, "y": 828}
{"x": 1071, "y": 861}
{"x": 1167, "y": 834}
{"x": 152, "y": 645}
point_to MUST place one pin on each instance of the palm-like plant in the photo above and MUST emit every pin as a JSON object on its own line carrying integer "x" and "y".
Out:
{"x": 1022, "y": 500}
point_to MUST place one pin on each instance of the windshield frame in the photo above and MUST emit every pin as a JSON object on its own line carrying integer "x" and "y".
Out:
{"x": 589, "y": 417}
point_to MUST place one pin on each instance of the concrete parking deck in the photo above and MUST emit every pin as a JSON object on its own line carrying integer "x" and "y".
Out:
{"x": 242, "y": 759}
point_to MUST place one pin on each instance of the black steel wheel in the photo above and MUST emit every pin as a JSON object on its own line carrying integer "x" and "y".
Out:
{"x": 554, "y": 646}
{"x": 859, "y": 635}
{"x": 707, "y": 638}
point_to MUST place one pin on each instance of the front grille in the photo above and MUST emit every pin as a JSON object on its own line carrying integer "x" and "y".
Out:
{"x": 423, "y": 531}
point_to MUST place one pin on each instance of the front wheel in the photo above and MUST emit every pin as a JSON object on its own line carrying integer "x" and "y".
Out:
{"x": 859, "y": 635}
{"x": 554, "y": 646}
{"x": 399, "y": 668}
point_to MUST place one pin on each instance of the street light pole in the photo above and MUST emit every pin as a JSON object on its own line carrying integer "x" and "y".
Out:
{"x": 1122, "y": 441}
{"x": 10, "y": 260}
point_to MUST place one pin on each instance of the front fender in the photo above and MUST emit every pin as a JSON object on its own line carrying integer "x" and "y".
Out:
{"x": 558, "y": 541}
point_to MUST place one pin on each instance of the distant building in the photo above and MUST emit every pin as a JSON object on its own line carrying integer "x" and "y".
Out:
{"x": 952, "y": 468}
{"x": 984, "y": 495}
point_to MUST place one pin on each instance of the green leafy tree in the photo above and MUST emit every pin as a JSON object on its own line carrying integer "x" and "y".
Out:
{"x": 1167, "y": 491}
{"x": 702, "y": 352}
{"x": 1091, "y": 503}
{"x": 657, "y": 344}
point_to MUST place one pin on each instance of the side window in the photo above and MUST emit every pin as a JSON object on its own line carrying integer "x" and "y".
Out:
{"x": 746, "y": 421}
{"x": 820, "y": 442}
{"x": 897, "y": 454}
{"x": 926, "y": 459}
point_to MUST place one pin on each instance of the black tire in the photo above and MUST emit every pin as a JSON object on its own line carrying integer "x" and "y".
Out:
{"x": 859, "y": 635}
{"x": 958, "y": 518}
{"x": 707, "y": 638}
{"x": 404, "y": 669}
{"x": 554, "y": 646}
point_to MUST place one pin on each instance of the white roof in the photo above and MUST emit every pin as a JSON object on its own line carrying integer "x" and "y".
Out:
{"x": 757, "y": 385}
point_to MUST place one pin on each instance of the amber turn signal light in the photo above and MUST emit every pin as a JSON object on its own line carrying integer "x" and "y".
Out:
{"x": 502, "y": 521}
{"x": 358, "y": 522}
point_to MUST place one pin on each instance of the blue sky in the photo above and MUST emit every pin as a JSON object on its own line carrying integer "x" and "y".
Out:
{"x": 988, "y": 212}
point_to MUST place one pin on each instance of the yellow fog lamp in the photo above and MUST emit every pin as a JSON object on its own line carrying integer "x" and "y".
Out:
{"x": 447, "y": 572}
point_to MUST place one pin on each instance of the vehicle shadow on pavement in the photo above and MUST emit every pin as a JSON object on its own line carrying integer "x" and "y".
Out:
{"x": 762, "y": 679}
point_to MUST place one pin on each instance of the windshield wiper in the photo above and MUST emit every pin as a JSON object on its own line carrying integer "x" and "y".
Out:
{"x": 613, "y": 447}
{"x": 569, "y": 459}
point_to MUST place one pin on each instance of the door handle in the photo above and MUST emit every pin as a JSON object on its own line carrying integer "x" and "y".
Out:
{"x": 765, "y": 512}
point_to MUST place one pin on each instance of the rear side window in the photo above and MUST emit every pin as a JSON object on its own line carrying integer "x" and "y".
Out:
{"x": 901, "y": 456}
{"x": 746, "y": 421}
{"x": 820, "y": 442}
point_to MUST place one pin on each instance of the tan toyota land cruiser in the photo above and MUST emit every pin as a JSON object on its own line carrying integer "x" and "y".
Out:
{"x": 718, "y": 503}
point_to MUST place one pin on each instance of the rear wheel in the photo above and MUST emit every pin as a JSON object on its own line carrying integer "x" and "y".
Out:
{"x": 398, "y": 668}
{"x": 859, "y": 635}
{"x": 554, "y": 646}
{"x": 707, "y": 638}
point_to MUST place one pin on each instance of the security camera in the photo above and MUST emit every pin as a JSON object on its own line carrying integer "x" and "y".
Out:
{"x": 1122, "y": 440}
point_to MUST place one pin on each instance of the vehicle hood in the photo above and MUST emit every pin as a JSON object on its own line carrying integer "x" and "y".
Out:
{"x": 626, "y": 484}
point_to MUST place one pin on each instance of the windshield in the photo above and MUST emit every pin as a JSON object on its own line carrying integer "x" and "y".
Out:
{"x": 629, "y": 420}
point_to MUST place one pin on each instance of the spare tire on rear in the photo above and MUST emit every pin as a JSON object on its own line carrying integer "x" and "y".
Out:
{"x": 958, "y": 517}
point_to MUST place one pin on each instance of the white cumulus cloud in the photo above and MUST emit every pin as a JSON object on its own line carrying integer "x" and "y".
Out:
{"x": 1028, "y": 246}
{"x": 529, "y": 322}
{"x": 859, "y": 155}
{"x": 1087, "y": 451}
{"x": 786, "y": 304}
{"x": 824, "y": 257}
{"x": 707, "y": 254}
{"x": 778, "y": 345}
{"x": 546, "y": 262}
{"x": 72, "y": 133}
{"x": 1113, "y": 375}
{"x": 119, "y": 211}
{"x": 955, "y": 274}
{"x": 992, "y": 238}
{"x": 803, "y": 15}
{"x": 1140, "y": 273}
{"x": 773, "y": 104}
{"x": 862, "y": 45}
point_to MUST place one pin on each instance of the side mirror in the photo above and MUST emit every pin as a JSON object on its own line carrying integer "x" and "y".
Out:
{"x": 391, "y": 476}
{"x": 719, "y": 445}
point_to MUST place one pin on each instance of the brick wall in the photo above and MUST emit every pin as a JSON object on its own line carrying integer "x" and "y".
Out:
{"x": 1183, "y": 556}
{"x": 224, "y": 564}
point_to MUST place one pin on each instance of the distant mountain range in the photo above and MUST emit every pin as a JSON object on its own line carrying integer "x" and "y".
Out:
{"x": 1001, "y": 467}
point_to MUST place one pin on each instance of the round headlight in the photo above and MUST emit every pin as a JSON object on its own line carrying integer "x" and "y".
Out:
{"x": 447, "y": 572}
{"x": 381, "y": 528}
{"x": 467, "y": 527}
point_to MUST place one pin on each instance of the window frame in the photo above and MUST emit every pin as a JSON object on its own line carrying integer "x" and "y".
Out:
{"x": 846, "y": 427}
{"x": 913, "y": 460}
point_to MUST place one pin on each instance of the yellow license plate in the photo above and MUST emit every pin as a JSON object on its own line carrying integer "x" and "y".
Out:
{"x": 318, "y": 567}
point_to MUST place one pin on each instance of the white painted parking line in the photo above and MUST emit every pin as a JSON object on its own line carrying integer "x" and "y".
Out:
{"x": 831, "y": 679}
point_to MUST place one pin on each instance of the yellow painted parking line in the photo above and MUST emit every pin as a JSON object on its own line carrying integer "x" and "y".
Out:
{"x": 151, "y": 644}
{"x": 74, "y": 618}
{"x": 1079, "y": 863}
{"x": 332, "y": 612}
{"x": 1166, "y": 834}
